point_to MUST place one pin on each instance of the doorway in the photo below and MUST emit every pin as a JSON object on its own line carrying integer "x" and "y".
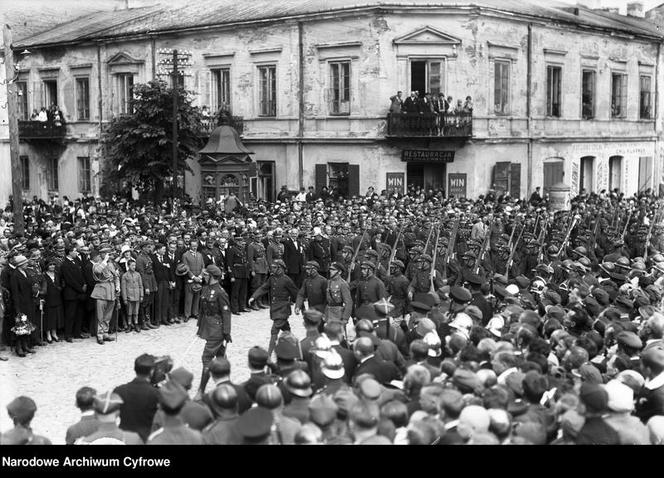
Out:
{"x": 615, "y": 172}
{"x": 50, "y": 93}
{"x": 645, "y": 173}
{"x": 554, "y": 172}
{"x": 426, "y": 175}
{"x": 265, "y": 183}
{"x": 586, "y": 174}
{"x": 426, "y": 76}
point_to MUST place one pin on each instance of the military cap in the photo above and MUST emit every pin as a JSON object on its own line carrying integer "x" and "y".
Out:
{"x": 545, "y": 268}
{"x": 601, "y": 295}
{"x": 629, "y": 339}
{"x": 470, "y": 253}
{"x": 624, "y": 303}
{"x": 313, "y": 264}
{"x": 397, "y": 263}
{"x": 474, "y": 279}
{"x": 107, "y": 403}
{"x": 371, "y": 252}
{"x": 420, "y": 307}
{"x": 500, "y": 279}
{"x": 172, "y": 395}
{"x": 323, "y": 410}
{"x": 279, "y": 263}
{"x": 213, "y": 270}
{"x": 460, "y": 294}
{"x": 370, "y": 389}
{"x": 255, "y": 424}
{"x": 368, "y": 264}
{"x": 348, "y": 249}
{"x": 501, "y": 292}
{"x": 312, "y": 316}
{"x": 383, "y": 307}
{"x": 618, "y": 277}
{"x": 522, "y": 281}
{"x": 286, "y": 350}
{"x": 425, "y": 258}
{"x": 22, "y": 409}
{"x": 594, "y": 396}
{"x": 340, "y": 267}
{"x": 298, "y": 383}
{"x": 474, "y": 312}
{"x": 220, "y": 366}
{"x": 424, "y": 326}
{"x": 182, "y": 376}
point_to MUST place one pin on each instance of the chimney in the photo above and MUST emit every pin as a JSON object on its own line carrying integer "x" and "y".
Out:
{"x": 635, "y": 9}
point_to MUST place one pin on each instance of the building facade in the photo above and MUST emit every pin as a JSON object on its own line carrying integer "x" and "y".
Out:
{"x": 559, "y": 94}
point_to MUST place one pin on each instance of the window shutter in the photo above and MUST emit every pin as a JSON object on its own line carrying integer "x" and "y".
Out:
{"x": 207, "y": 88}
{"x": 515, "y": 180}
{"x": 321, "y": 176}
{"x": 354, "y": 180}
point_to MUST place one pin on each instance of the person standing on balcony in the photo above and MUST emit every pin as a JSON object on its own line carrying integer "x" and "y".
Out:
{"x": 468, "y": 105}
{"x": 43, "y": 115}
{"x": 396, "y": 103}
{"x": 411, "y": 105}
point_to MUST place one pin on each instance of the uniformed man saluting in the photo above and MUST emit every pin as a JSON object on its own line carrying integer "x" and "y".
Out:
{"x": 281, "y": 292}
{"x": 215, "y": 321}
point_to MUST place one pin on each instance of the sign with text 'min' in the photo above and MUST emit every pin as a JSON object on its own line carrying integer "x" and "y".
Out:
{"x": 395, "y": 183}
{"x": 456, "y": 185}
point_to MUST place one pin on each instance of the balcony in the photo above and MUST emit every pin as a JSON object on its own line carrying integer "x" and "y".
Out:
{"x": 236, "y": 122}
{"x": 41, "y": 131}
{"x": 429, "y": 125}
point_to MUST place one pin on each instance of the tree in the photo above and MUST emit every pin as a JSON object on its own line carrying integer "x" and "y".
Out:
{"x": 138, "y": 146}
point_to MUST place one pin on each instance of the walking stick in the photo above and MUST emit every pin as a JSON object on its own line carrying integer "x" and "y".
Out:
{"x": 41, "y": 321}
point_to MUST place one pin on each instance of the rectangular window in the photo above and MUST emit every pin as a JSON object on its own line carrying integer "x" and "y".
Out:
{"x": 501, "y": 87}
{"x": 553, "y": 90}
{"x": 84, "y": 174}
{"x": 50, "y": 93}
{"x": 588, "y": 94}
{"x": 267, "y": 90}
{"x": 645, "y": 98}
{"x": 22, "y": 92}
{"x": 340, "y": 88}
{"x": 52, "y": 173}
{"x": 25, "y": 172}
{"x": 82, "y": 98}
{"x": 124, "y": 87}
{"x": 221, "y": 89}
{"x": 618, "y": 95}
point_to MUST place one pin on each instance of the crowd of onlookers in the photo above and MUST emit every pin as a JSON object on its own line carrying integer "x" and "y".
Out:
{"x": 52, "y": 115}
{"x": 430, "y": 103}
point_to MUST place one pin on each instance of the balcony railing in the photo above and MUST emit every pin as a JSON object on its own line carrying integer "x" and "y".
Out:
{"x": 236, "y": 122}
{"x": 430, "y": 125}
{"x": 31, "y": 130}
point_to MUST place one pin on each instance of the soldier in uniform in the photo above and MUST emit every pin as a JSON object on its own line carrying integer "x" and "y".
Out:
{"x": 314, "y": 289}
{"x": 369, "y": 288}
{"x": 257, "y": 262}
{"x": 144, "y": 267}
{"x": 107, "y": 410}
{"x": 421, "y": 283}
{"x": 238, "y": 271}
{"x": 397, "y": 288}
{"x": 215, "y": 321}
{"x": 338, "y": 296}
{"x": 319, "y": 250}
{"x": 174, "y": 430}
{"x": 281, "y": 292}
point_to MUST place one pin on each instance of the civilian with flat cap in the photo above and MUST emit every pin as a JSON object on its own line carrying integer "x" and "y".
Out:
{"x": 21, "y": 411}
{"x": 139, "y": 398}
{"x": 282, "y": 292}
{"x": 85, "y": 400}
{"x": 254, "y": 426}
{"x": 195, "y": 414}
{"x": 107, "y": 410}
{"x": 174, "y": 431}
{"x": 224, "y": 404}
{"x": 258, "y": 376}
{"x": 215, "y": 321}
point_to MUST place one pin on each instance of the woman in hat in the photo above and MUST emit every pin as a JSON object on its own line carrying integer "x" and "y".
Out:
{"x": 53, "y": 309}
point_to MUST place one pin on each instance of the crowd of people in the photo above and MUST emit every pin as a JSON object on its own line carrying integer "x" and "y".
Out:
{"x": 51, "y": 115}
{"x": 429, "y": 320}
{"x": 430, "y": 114}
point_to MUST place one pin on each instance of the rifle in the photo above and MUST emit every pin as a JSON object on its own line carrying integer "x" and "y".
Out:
{"x": 512, "y": 251}
{"x": 509, "y": 243}
{"x": 655, "y": 218}
{"x": 394, "y": 249}
{"x": 432, "y": 273}
{"x": 540, "y": 239}
{"x": 571, "y": 227}
{"x": 450, "y": 246}
{"x": 426, "y": 246}
{"x": 357, "y": 251}
{"x": 485, "y": 246}
{"x": 629, "y": 217}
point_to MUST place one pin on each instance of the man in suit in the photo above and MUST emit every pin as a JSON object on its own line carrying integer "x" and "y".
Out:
{"x": 238, "y": 270}
{"x": 164, "y": 273}
{"x": 319, "y": 251}
{"x": 73, "y": 294}
{"x": 195, "y": 262}
{"x": 20, "y": 287}
{"x": 294, "y": 256}
{"x": 396, "y": 103}
{"x": 145, "y": 267}
{"x": 173, "y": 256}
{"x": 88, "y": 424}
{"x": 140, "y": 398}
{"x": 89, "y": 305}
{"x": 384, "y": 372}
{"x": 651, "y": 398}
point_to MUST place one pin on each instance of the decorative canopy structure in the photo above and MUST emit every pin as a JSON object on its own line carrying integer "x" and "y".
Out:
{"x": 224, "y": 140}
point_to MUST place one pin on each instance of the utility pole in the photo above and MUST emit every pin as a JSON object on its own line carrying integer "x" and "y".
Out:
{"x": 12, "y": 110}
{"x": 175, "y": 60}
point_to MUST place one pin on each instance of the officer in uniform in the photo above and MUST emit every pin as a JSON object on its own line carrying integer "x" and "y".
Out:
{"x": 257, "y": 262}
{"x": 215, "y": 321}
{"x": 282, "y": 292}
{"x": 338, "y": 296}
{"x": 144, "y": 267}
{"x": 397, "y": 288}
{"x": 107, "y": 410}
{"x": 238, "y": 271}
{"x": 314, "y": 289}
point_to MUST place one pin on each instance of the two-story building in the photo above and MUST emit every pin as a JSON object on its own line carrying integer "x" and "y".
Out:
{"x": 559, "y": 93}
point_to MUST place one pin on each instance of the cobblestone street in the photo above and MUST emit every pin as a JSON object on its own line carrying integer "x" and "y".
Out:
{"x": 52, "y": 375}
